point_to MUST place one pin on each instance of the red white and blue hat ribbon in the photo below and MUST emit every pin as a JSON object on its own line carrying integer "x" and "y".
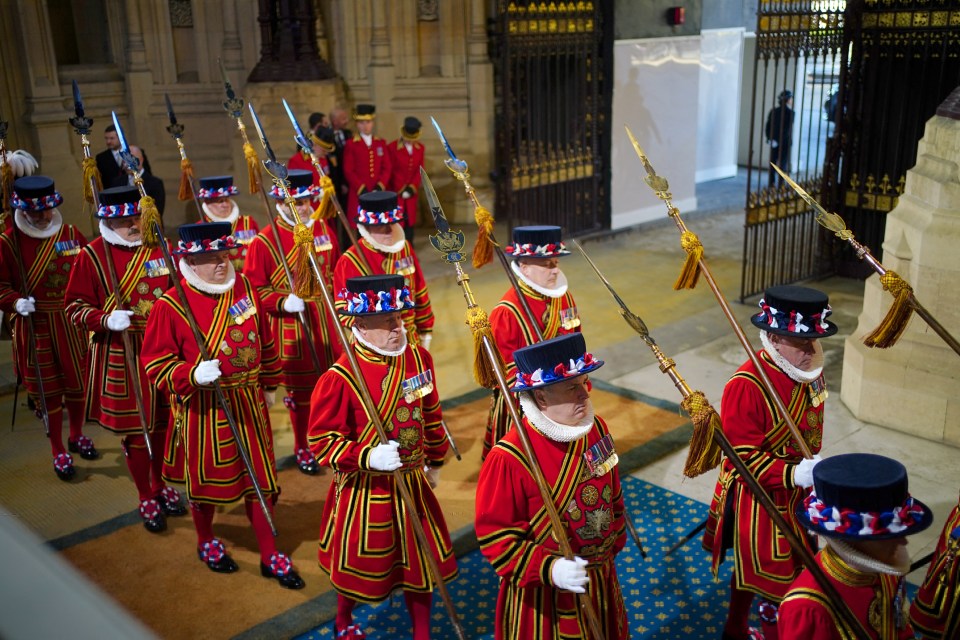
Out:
{"x": 379, "y": 217}
{"x": 862, "y": 524}
{"x": 376, "y": 301}
{"x": 124, "y": 210}
{"x": 309, "y": 191}
{"x": 793, "y": 321}
{"x": 219, "y": 192}
{"x": 569, "y": 369}
{"x": 530, "y": 250}
{"x": 42, "y": 203}
{"x": 206, "y": 245}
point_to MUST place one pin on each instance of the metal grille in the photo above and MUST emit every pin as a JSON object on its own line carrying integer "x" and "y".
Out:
{"x": 553, "y": 65}
{"x": 795, "y": 75}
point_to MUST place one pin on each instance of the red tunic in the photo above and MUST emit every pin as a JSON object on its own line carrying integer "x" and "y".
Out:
{"x": 143, "y": 277}
{"x": 364, "y": 546}
{"x": 876, "y": 600}
{"x": 244, "y": 230}
{"x": 214, "y": 471}
{"x": 764, "y": 562}
{"x": 516, "y": 536}
{"x": 405, "y": 176}
{"x": 512, "y": 330}
{"x": 364, "y": 168}
{"x": 265, "y": 271}
{"x": 350, "y": 265}
{"x": 301, "y": 160}
{"x": 935, "y": 612}
{"x": 61, "y": 347}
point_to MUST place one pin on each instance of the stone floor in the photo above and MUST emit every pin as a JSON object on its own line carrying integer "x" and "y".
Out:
{"x": 641, "y": 264}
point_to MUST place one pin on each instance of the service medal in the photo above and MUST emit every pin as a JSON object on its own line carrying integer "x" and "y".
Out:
{"x": 601, "y": 457}
{"x": 405, "y": 266}
{"x": 418, "y": 386}
{"x": 322, "y": 243}
{"x": 569, "y": 319}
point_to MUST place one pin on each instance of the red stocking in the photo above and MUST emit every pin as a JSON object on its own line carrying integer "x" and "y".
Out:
{"x": 202, "y": 521}
{"x": 300, "y": 418}
{"x": 158, "y": 442}
{"x": 739, "y": 613}
{"x": 344, "y": 611}
{"x": 75, "y": 410}
{"x": 418, "y": 605}
{"x": 261, "y": 528}
{"x": 138, "y": 462}
{"x": 54, "y": 405}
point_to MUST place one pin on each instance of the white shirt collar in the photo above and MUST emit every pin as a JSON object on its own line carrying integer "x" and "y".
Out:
{"x": 23, "y": 223}
{"x": 367, "y": 139}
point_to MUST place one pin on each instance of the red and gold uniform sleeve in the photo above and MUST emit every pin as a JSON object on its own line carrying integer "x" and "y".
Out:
{"x": 435, "y": 443}
{"x": 85, "y": 295}
{"x": 746, "y": 421}
{"x": 163, "y": 349}
{"x": 260, "y": 270}
{"x": 345, "y": 269}
{"x": 423, "y": 312}
{"x": 332, "y": 431}
{"x": 509, "y": 336}
{"x": 10, "y": 286}
{"x": 801, "y": 618}
{"x": 271, "y": 373}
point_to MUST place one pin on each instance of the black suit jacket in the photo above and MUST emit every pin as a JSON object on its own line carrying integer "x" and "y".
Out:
{"x": 151, "y": 184}
{"x": 109, "y": 170}
{"x": 336, "y": 168}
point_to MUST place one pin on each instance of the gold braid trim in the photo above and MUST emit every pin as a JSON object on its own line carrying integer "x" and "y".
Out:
{"x": 483, "y": 250}
{"x": 186, "y": 174}
{"x": 691, "y": 266}
{"x": 6, "y": 185}
{"x": 483, "y": 369}
{"x": 149, "y": 222}
{"x": 704, "y": 454}
{"x": 253, "y": 166}
{"x": 325, "y": 210}
{"x": 90, "y": 172}
{"x": 891, "y": 327}
{"x": 306, "y": 285}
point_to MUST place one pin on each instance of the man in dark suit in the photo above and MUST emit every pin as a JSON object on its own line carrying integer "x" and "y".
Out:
{"x": 151, "y": 183}
{"x": 108, "y": 160}
{"x": 339, "y": 118}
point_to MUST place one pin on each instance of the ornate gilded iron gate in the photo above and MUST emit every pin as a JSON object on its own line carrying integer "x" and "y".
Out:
{"x": 553, "y": 66}
{"x": 904, "y": 61}
{"x": 795, "y": 73}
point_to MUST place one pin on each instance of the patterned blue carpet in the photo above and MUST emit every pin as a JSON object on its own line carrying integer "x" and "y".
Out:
{"x": 666, "y": 598}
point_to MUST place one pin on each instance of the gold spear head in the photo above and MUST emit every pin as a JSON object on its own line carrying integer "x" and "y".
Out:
{"x": 655, "y": 182}
{"x": 826, "y": 219}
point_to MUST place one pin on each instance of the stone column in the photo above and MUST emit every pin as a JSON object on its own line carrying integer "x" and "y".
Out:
{"x": 381, "y": 72}
{"x": 914, "y": 386}
{"x": 288, "y": 30}
{"x": 139, "y": 77}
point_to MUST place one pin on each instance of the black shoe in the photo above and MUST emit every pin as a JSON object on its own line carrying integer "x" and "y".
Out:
{"x": 282, "y": 571}
{"x": 63, "y": 466}
{"x": 307, "y": 463}
{"x": 84, "y": 446}
{"x": 153, "y": 520}
{"x": 215, "y": 556}
{"x": 170, "y": 503}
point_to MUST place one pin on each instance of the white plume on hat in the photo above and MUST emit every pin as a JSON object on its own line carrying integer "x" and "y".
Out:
{"x": 21, "y": 163}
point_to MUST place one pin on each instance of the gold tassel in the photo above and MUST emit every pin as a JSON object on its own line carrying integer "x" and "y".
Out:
{"x": 90, "y": 172}
{"x": 325, "y": 210}
{"x": 186, "y": 174}
{"x": 704, "y": 454}
{"x": 891, "y": 327}
{"x": 149, "y": 221}
{"x": 253, "y": 167}
{"x": 306, "y": 285}
{"x": 6, "y": 185}
{"x": 691, "y": 267}
{"x": 483, "y": 250}
{"x": 483, "y": 369}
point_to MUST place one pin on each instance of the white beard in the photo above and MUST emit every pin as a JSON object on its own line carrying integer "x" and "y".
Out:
{"x": 284, "y": 212}
{"x": 23, "y": 223}
{"x": 112, "y": 237}
{"x": 208, "y": 287}
{"x": 390, "y": 354}
{"x": 231, "y": 217}
{"x": 794, "y": 373}
{"x": 396, "y": 235}
{"x": 556, "y": 292}
{"x": 551, "y": 429}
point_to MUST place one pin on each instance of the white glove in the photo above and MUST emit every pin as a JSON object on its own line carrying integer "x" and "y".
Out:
{"x": 406, "y": 193}
{"x": 385, "y": 457}
{"x": 25, "y": 306}
{"x": 118, "y": 320}
{"x": 207, "y": 371}
{"x": 293, "y": 304}
{"x": 803, "y": 472}
{"x": 774, "y": 144}
{"x": 269, "y": 397}
{"x": 570, "y": 575}
{"x": 433, "y": 476}
{"x": 425, "y": 340}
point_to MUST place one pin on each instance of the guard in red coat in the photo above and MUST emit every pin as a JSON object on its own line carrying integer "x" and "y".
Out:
{"x": 143, "y": 276}
{"x": 366, "y": 160}
{"x": 385, "y": 249}
{"x": 366, "y": 545}
{"x": 792, "y": 320}
{"x": 536, "y": 255}
{"x": 325, "y": 149}
{"x": 575, "y": 451}
{"x": 861, "y": 508}
{"x": 244, "y": 363}
{"x": 42, "y": 249}
{"x": 406, "y": 159}
{"x": 216, "y": 199}
{"x": 935, "y": 612}
{"x": 285, "y": 309}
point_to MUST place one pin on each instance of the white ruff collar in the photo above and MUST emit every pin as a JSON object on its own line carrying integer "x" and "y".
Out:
{"x": 862, "y": 562}
{"x": 208, "y": 287}
{"x": 795, "y": 374}
{"x": 24, "y": 224}
{"x": 284, "y": 212}
{"x": 396, "y": 234}
{"x": 383, "y": 352}
{"x": 560, "y": 289}
{"x": 367, "y": 139}
{"x": 112, "y": 237}
{"x": 554, "y": 430}
{"x": 231, "y": 217}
